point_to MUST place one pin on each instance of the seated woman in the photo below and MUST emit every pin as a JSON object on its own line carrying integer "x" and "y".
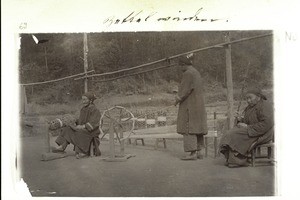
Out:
{"x": 257, "y": 121}
{"x": 85, "y": 131}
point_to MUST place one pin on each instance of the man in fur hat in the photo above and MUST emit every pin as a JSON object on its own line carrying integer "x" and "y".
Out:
{"x": 191, "y": 120}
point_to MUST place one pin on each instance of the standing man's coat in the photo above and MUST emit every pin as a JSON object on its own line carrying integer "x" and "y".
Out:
{"x": 191, "y": 114}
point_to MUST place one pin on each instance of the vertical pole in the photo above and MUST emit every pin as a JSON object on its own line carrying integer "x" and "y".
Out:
{"x": 111, "y": 141}
{"x": 229, "y": 82}
{"x": 215, "y": 134}
{"x": 85, "y": 67}
{"x": 23, "y": 100}
{"x": 206, "y": 140}
{"x": 46, "y": 62}
{"x": 122, "y": 149}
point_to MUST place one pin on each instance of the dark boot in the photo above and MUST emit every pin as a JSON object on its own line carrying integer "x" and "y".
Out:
{"x": 80, "y": 155}
{"x": 62, "y": 148}
{"x": 97, "y": 151}
{"x": 192, "y": 156}
{"x": 199, "y": 155}
{"x": 237, "y": 161}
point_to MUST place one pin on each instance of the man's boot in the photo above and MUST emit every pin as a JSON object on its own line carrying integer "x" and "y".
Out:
{"x": 192, "y": 156}
{"x": 199, "y": 155}
{"x": 61, "y": 149}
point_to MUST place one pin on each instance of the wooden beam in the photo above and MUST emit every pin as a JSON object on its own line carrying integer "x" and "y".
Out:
{"x": 229, "y": 82}
{"x": 46, "y": 62}
{"x": 126, "y": 75}
{"x": 56, "y": 80}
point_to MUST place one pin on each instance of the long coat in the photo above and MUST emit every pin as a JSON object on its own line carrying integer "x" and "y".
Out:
{"x": 191, "y": 114}
{"x": 81, "y": 139}
{"x": 259, "y": 119}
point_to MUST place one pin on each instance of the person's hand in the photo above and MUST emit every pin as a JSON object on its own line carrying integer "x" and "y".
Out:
{"x": 80, "y": 127}
{"x": 77, "y": 128}
{"x": 175, "y": 103}
{"x": 73, "y": 127}
{"x": 238, "y": 116}
{"x": 242, "y": 125}
{"x": 177, "y": 100}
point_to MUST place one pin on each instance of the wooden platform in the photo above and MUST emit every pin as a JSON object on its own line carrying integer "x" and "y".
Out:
{"x": 157, "y": 136}
{"x": 156, "y": 130}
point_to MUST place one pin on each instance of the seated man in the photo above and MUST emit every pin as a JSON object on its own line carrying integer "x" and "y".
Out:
{"x": 84, "y": 132}
{"x": 257, "y": 121}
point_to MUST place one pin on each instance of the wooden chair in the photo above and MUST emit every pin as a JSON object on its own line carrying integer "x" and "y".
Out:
{"x": 265, "y": 141}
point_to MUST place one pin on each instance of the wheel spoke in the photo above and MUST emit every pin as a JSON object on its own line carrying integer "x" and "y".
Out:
{"x": 108, "y": 116}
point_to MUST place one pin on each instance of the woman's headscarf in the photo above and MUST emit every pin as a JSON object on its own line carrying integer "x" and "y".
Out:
{"x": 257, "y": 91}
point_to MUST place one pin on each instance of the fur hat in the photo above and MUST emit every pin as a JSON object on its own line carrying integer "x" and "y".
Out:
{"x": 186, "y": 59}
{"x": 257, "y": 91}
{"x": 90, "y": 95}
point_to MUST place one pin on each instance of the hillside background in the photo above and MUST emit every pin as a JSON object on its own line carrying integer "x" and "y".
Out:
{"x": 119, "y": 50}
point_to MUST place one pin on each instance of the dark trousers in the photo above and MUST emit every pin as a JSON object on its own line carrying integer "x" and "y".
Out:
{"x": 192, "y": 142}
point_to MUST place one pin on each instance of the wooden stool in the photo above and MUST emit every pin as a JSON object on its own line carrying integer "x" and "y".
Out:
{"x": 270, "y": 150}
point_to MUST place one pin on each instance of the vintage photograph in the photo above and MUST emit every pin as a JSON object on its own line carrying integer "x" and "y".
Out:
{"x": 147, "y": 114}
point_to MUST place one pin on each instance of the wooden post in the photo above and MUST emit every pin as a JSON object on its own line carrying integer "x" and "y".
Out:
{"x": 112, "y": 157}
{"x": 48, "y": 155}
{"x": 229, "y": 83}
{"x": 206, "y": 145}
{"x": 112, "y": 141}
{"x": 85, "y": 67}
{"x": 122, "y": 145}
{"x": 46, "y": 62}
{"x": 216, "y": 134}
{"x": 206, "y": 142}
{"x": 23, "y": 100}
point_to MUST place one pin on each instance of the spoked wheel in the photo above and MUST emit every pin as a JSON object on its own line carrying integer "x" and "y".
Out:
{"x": 119, "y": 120}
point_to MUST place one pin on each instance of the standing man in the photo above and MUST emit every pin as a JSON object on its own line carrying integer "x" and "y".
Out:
{"x": 191, "y": 119}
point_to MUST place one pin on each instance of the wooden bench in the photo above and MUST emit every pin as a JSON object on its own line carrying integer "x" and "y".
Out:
{"x": 155, "y": 127}
{"x": 158, "y": 138}
{"x": 161, "y": 134}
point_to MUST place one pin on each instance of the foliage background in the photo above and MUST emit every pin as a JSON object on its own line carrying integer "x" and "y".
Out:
{"x": 120, "y": 50}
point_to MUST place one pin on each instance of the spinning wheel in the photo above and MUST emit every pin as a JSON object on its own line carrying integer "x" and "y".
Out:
{"x": 118, "y": 118}
{"x": 119, "y": 122}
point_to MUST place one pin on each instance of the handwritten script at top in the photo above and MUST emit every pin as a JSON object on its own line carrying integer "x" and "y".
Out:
{"x": 136, "y": 17}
